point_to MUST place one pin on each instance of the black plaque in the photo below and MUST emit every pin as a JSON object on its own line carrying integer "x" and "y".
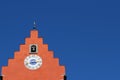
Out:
{"x": 33, "y": 49}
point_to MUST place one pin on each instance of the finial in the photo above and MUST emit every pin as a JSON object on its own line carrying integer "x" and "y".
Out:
{"x": 34, "y": 27}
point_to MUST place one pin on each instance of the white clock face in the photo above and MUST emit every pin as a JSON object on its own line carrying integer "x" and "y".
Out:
{"x": 33, "y": 62}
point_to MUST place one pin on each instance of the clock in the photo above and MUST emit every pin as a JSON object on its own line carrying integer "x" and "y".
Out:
{"x": 33, "y": 62}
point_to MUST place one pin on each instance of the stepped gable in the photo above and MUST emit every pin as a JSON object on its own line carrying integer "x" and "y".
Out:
{"x": 50, "y": 68}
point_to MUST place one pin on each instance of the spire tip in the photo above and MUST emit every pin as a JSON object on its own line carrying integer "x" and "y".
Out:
{"x": 34, "y": 27}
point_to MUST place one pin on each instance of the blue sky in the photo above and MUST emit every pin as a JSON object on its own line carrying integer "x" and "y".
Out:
{"x": 84, "y": 34}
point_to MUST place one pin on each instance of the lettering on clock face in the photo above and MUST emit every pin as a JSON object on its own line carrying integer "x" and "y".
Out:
{"x": 33, "y": 62}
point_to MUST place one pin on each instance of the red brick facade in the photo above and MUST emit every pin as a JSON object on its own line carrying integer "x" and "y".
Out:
{"x": 49, "y": 70}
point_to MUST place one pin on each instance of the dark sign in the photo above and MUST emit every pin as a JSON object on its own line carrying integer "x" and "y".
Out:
{"x": 33, "y": 48}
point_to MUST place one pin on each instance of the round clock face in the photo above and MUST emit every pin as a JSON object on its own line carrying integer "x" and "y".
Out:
{"x": 33, "y": 62}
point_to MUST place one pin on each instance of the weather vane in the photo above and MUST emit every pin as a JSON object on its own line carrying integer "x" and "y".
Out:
{"x": 35, "y": 26}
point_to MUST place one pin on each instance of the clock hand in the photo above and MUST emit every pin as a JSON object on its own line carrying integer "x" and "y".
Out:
{"x": 37, "y": 61}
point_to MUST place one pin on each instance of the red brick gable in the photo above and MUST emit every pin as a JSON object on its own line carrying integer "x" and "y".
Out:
{"x": 49, "y": 70}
